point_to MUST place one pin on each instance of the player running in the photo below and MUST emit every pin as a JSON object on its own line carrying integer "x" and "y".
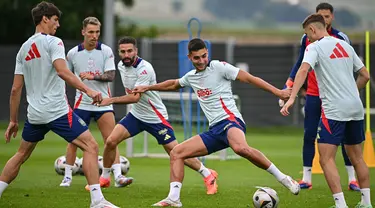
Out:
{"x": 211, "y": 82}
{"x": 312, "y": 110}
{"x": 94, "y": 63}
{"x": 334, "y": 62}
{"x": 41, "y": 66}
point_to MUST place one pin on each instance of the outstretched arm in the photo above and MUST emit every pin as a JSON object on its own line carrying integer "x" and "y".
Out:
{"x": 125, "y": 99}
{"x": 169, "y": 85}
{"x": 246, "y": 77}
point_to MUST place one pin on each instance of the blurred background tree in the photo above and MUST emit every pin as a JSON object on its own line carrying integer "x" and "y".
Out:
{"x": 17, "y": 25}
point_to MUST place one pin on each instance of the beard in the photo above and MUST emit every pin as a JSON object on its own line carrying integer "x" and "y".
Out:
{"x": 129, "y": 61}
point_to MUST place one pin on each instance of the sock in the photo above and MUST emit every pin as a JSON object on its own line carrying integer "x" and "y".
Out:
{"x": 106, "y": 172}
{"x": 340, "y": 200}
{"x": 174, "y": 191}
{"x": 96, "y": 193}
{"x": 116, "y": 170}
{"x": 3, "y": 186}
{"x": 307, "y": 174}
{"x": 276, "y": 172}
{"x": 204, "y": 171}
{"x": 68, "y": 171}
{"x": 351, "y": 173}
{"x": 365, "y": 198}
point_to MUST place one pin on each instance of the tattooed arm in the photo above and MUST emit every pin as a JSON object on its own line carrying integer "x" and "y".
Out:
{"x": 108, "y": 76}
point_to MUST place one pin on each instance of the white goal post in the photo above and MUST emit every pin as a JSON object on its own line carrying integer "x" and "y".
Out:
{"x": 172, "y": 101}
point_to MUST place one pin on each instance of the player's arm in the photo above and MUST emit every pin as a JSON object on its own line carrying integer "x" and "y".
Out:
{"x": 64, "y": 73}
{"x": 359, "y": 67}
{"x": 169, "y": 85}
{"x": 308, "y": 62}
{"x": 15, "y": 97}
{"x": 125, "y": 99}
{"x": 290, "y": 81}
{"x": 363, "y": 78}
{"x": 14, "y": 100}
{"x": 246, "y": 77}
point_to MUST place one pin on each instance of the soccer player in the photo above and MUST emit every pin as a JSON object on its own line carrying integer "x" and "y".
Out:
{"x": 211, "y": 82}
{"x": 148, "y": 113}
{"x": 41, "y": 66}
{"x": 334, "y": 62}
{"x": 94, "y": 63}
{"x": 313, "y": 106}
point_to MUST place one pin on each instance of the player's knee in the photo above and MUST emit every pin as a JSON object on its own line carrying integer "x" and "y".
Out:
{"x": 242, "y": 150}
{"x": 176, "y": 153}
{"x": 92, "y": 147}
{"x": 110, "y": 143}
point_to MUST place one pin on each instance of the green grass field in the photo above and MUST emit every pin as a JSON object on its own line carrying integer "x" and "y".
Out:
{"x": 37, "y": 184}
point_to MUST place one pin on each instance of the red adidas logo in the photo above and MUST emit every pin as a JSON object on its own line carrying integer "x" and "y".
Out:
{"x": 33, "y": 53}
{"x": 144, "y": 72}
{"x": 339, "y": 52}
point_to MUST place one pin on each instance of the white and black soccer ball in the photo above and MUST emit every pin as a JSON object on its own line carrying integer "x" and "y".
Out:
{"x": 100, "y": 164}
{"x": 265, "y": 197}
{"x": 79, "y": 163}
{"x": 60, "y": 163}
{"x": 125, "y": 165}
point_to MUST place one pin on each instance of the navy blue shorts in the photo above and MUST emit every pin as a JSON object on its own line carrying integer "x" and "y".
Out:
{"x": 87, "y": 115}
{"x": 68, "y": 126}
{"x": 337, "y": 132}
{"x": 216, "y": 139}
{"x": 163, "y": 132}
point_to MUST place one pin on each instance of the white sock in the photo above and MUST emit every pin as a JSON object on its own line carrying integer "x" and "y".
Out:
{"x": 96, "y": 193}
{"x": 68, "y": 171}
{"x": 340, "y": 200}
{"x": 3, "y": 186}
{"x": 276, "y": 172}
{"x": 351, "y": 173}
{"x": 174, "y": 191}
{"x": 116, "y": 170}
{"x": 204, "y": 171}
{"x": 307, "y": 174}
{"x": 365, "y": 199}
{"x": 106, "y": 172}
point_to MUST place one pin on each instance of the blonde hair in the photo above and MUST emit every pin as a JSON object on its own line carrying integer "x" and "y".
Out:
{"x": 91, "y": 21}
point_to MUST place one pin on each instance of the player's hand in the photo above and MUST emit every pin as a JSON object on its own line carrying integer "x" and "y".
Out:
{"x": 285, "y": 110}
{"x": 11, "y": 131}
{"x": 96, "y": 96}
{"x": 285, "y": 94}
{"x": 140, "y": 89}
{"x": 104, "y": 102}
{"x": 86, "y": 75}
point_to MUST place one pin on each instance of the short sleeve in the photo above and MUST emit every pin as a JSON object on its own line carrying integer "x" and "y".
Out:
{"x": 311, "y": 56}
{"x": 19, "y": 64}
{"x": 184, "y": 81}
{"x": 69, "y": 60}
{"x": 109, "y": 60}
{"x": 57, "y": 50}
{"x": 357, "y": 63}
{"x": 229, "y": 71}
{"x": 145, "y": 75}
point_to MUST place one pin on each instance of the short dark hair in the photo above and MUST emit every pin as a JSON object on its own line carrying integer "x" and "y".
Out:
{"x": 324, "y": 6}
{"x": 128, "y": 39}
{"x": 314, "y": 18}
{"x": 196, "y": 44}
{"x": 44, "y": 9}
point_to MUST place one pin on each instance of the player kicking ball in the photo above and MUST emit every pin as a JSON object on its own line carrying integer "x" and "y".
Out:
{"x": 148, "y": 113}
{"x": 211, "y": 82}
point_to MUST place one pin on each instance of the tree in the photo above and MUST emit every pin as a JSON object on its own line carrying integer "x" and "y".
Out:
{"x": 17, "y": 25}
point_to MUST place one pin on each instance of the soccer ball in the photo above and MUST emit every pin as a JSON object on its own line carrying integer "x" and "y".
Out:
{"x": 79, "y": 163}
{"x": 125, "y": 165}
{"x": 265, "y": 197}
{"x": 100, "y": 164}
{"x": 60, "y": 165}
